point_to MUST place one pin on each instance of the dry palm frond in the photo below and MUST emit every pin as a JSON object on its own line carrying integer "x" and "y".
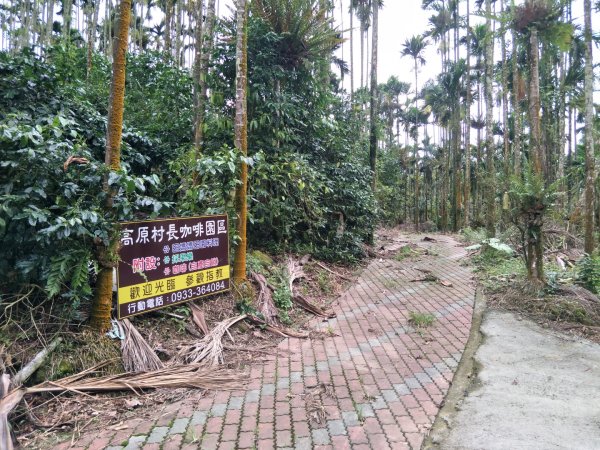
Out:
{"x": 339, "y": 275}
{"x": 198, "y": 318}
{"x": 280, "y": 331}
{"x": 8, "y": 401}
{"x": 295, "y": 272}
{"x": 314, "y": 402}
{"x": 428, "y": 278}
{"x": 185, "y": 376}
{"x": 210, "y": 348}
{"x": 311, "y": 307}
{"x": 138, "y": 356}
{"x": 266, "y": 306}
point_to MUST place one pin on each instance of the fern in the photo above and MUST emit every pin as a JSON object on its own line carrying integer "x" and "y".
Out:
{"x": 69, "y": 270}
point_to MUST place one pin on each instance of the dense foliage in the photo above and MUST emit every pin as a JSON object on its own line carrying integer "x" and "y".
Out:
{"x": 309, "y": 188}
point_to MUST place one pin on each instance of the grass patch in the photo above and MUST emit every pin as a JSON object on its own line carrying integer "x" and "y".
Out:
{"x": 405, "y": 252}
{"x": 421, "y": 320}
{"x": 471, "y": 236}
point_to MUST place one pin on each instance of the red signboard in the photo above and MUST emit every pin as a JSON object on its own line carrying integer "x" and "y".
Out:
{"x": 170, "y": 261}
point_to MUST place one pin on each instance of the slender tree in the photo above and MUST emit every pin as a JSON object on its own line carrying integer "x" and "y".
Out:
{"x": 489, "y": 123}
{"x": 241, "y": 139}
{"x": 100, "y": 317}
{"x": 351, "y": 10}
{"x": 207, "y": 47}
{"x": 374, "y": 96}
{"x": 414, "y": 48}
{"x": 589, "y": 130}
{"x": 467, "y": 119}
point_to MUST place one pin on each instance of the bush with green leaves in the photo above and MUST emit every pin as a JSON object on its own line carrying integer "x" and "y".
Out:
{"x": 589, "y": 272}
{"x": 52, "y": 213}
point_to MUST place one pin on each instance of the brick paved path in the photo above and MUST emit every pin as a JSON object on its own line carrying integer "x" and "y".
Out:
{"x": 381, "y": 382}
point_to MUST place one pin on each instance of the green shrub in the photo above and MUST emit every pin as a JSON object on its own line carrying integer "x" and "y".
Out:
{"x": 589, "y": 272}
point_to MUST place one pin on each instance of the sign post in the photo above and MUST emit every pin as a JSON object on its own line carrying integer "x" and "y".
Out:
{"x": 169, "y": 261}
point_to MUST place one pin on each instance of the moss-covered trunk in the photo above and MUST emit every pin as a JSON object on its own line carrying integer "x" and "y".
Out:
{"x": 100, "y": 317}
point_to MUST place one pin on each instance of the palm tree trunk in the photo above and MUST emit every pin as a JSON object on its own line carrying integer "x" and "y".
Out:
{"x": 241, "y": 140}
{"x": 516, "y": 104}
{"x": 178, "y": 16}
{"x": 91, "y": 35}
{"x": 198, "y": 104}
{"x": 534, "y": 104}
{"x": 49, "y": 22}
{"x": 589, "y": 129}
{"x": 168, "y": 21}
{"x": 107, "y": 254}
{"x": 416, "y": 149}
{"x": 489, "y": 121}
{"x": 67, "y": 13}
{"x": 469, "y": 100}
{"x": 362, "y": 56}
{"x": 351, "y": 54}
{"x": 505, "y": 134}
{"x": 374, "y": 98}
{"x": 537, "y": 150}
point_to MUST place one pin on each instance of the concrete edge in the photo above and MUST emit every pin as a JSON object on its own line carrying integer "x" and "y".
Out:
{"x": 463, "y": 381}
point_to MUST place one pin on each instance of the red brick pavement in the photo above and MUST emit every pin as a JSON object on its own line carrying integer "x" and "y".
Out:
{"x": 385, "y": 381}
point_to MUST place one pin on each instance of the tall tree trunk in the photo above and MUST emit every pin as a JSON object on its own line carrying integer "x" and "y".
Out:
{"x": 416, "y": 149}
{"x": 505, "y": 134}
{"x": 489, "y": 122}
{"x": 362, "y": 56}
{"x": 241, "y": 140}
{"x": 351, "y": 54}
{"x": 168, "y": 22}
{"x": 589, "y": 130}
{"x": 91, "y": 35}
{"x": 49, "y": 22}
{"x": 107, "y": 259}
{"x": 198, "y": 50}
{"x": 535, "y": 216}
{"x": 178, "y": 16}
{"x": 456, "y": 133}
{"x": 342, "y": 75}
{"x": 374, "y": 98}
{"x": 561, "y": 108}
{"x": 469, "y": 100}
{"x": 534, "y": 104}
{"x": 516, "y": 104}
{"x": 67, "y": 17}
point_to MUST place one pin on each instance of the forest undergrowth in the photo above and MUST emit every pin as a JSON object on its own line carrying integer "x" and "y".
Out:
{"x": 567, "y": 302}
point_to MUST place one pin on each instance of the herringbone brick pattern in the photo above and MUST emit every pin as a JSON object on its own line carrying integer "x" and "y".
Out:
{"x": 376, "y": 382}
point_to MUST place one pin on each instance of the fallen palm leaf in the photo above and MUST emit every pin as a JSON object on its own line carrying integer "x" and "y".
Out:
{"x": 138, "y": 356}
{"x": 343, "y": 277}
{"x": 295, "y": 272}
{"x": 427, "y": 278}
{"x": 266, "y": 306}
{"x": 314, "y": 402}
{"x": 8, "y": 401}
{"x": 209, "y": 350}
{"x": 198, "y": 318}
{"x": 185, "y": 376}
{"x": 280, "y": 331}
{"x": 311, "y": 307}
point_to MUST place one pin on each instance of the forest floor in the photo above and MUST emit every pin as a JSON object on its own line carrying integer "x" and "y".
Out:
{"x": 374, "y": 377}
